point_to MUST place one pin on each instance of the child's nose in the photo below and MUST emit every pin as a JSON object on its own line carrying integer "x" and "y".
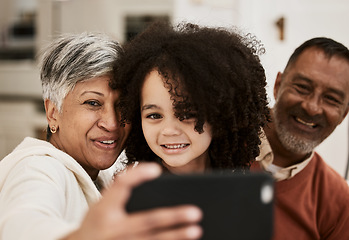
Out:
{"x": 171, "y": 127}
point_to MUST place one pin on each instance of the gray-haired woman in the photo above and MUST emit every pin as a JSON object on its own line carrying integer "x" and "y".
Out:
{"x": 50, "y": 189}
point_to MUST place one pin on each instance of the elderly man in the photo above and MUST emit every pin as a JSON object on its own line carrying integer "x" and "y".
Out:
{"x": 312, "y": 99}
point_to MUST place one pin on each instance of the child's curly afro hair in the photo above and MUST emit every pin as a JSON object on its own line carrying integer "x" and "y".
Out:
{"x": 221, "y": 80}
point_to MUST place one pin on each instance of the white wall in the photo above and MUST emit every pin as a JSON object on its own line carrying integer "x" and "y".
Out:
{"x": 218, "y": 13}
{"x": 105, "y": 15}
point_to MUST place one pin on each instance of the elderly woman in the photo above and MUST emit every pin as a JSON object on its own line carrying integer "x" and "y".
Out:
{"x": 51, "y": 189}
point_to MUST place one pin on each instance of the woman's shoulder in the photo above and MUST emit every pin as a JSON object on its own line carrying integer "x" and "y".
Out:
{"x": 34, "y": 156}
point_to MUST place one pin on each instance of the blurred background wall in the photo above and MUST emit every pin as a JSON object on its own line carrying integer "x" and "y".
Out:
{"x": 27, "y": 25}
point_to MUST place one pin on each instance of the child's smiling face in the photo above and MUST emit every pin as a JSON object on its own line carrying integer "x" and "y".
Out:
{"x": 181, "y": 148}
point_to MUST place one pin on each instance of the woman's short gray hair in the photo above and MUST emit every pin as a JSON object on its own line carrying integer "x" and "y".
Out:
{"x": 73, "y": 58}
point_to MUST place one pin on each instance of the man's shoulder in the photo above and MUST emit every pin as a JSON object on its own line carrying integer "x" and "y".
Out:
{"x": 323, "y": 168}
{"x": 328, "y": 177}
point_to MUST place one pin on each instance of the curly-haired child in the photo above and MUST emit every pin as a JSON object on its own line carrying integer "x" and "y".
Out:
{"x": 195, "y": 97}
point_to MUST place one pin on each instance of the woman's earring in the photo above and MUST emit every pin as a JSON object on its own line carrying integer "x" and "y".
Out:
{"x": 53, "y": 129}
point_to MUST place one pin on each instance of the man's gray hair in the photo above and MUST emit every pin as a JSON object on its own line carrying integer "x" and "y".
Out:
{"x": 73, "y": 58}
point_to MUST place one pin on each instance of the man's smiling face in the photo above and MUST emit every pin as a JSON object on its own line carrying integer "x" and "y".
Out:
{"x": 312, "y": 98}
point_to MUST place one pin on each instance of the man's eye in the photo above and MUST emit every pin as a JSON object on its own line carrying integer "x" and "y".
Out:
{"x": 92, "y": 103}
{"x": 332, "y": 100}
{"x": 302, "y": 88}
{"x": 154, "y": 116}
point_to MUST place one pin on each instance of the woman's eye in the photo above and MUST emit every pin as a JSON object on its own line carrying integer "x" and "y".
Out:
{"x": 154, "y": 116}
{"x": 92, "y": 103}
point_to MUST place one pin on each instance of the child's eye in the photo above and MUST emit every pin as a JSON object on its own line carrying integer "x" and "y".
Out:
{"x": 154, "y": 116}
{"x": 188, "y": 116}
{"x": 92, "y": 103}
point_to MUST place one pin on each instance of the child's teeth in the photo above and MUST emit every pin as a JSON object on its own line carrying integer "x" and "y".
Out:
{"x": 175, "y": 146}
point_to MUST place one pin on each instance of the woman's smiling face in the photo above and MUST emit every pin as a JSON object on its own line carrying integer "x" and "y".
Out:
{"x": 181, "y": 148}
{"x": 89, "y": 127}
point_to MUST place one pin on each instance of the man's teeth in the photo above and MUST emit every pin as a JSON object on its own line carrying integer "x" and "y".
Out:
{"x": 175, "y": 146}
{"x": 305, "y": 123}
{"x": 108, "y": 141}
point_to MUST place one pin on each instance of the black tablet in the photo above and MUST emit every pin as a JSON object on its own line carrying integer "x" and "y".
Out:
{"x": 235, "y": 205}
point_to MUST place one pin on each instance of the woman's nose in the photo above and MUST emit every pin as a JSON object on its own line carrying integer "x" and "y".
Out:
{"x": 110, "y": 119}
